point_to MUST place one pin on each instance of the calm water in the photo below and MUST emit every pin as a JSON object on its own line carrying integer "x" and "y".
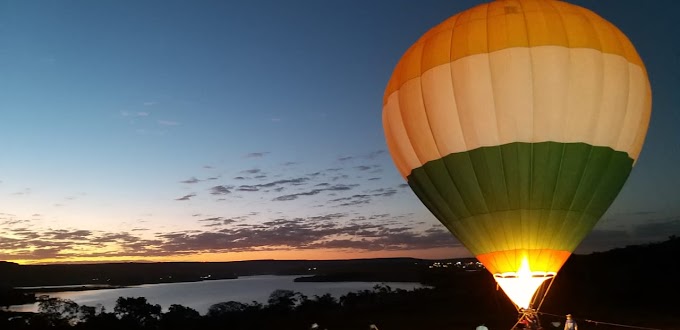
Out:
{"x": 201, "y": 295}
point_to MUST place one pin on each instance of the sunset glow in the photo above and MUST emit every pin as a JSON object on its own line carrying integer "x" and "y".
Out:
{"x": 317, "y": 254}
{"x": 202, "y": 134}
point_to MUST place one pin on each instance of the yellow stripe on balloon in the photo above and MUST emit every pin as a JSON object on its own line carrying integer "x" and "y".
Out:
{"x": 538, "y": 94}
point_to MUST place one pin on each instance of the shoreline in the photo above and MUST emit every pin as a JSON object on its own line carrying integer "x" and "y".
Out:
{"x": 86, "y": 287}
{"x": 69, "y": 288}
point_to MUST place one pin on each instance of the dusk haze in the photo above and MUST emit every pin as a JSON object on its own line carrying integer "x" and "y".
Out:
{"x": 339, "y": 164}
{"x": 246, "y": 130}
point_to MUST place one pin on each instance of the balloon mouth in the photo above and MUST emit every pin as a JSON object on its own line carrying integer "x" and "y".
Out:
{"x": 547, "y": 275}
{"x": 520, "y": 286}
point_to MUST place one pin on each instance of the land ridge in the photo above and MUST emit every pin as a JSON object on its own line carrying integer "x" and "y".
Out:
{"x": 132, "y": 273}
{"x": 622, "y": 285}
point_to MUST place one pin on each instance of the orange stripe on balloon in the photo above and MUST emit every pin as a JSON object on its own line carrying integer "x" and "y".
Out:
{"x": 506, "y": 24}
{"x": 540, "y": 260}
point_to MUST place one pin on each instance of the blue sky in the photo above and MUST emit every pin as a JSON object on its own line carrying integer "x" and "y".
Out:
{"x": 224, "y": 130}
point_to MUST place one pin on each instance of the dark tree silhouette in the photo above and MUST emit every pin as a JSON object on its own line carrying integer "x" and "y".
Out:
{"x": 284, "y": 300}
{"x": 57, "y": 312}
{"x": 226, "y": 308}
{"x": 463, "y": 301}
{"x": 180, "y": 317}
{"x": 137, "y": 311}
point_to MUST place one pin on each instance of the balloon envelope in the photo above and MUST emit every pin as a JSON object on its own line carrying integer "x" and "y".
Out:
{"x": 517, "y": 123}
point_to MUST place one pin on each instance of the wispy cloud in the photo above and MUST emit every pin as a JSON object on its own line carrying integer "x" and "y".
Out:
{"x": 291, "y": 197}
{"x": 220, "y": 190}
{"x": 218, "y": 221}
{"x": 376, "y": 154}
{"x": 256, "y": 154}
{"x": 25, "y": 191}
{"x": 223, "y": 234}
{"x": 186, "y": 197}
{"x": 191, "y": 180}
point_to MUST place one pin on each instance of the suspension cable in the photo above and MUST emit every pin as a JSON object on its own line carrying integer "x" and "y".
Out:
{"x": 552, "y": 280}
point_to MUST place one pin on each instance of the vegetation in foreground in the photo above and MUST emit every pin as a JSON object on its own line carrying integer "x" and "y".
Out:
{"x": 619, "y": 287}
{"x": 383, "y": 306}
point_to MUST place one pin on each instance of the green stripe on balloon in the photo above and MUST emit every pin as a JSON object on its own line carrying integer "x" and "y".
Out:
{"x": 522, "y": 195}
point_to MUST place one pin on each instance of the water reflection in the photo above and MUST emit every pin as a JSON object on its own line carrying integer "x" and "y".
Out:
{"x": 201, "y": 295}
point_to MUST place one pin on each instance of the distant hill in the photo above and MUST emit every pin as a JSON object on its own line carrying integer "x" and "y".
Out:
{"x": 634, "y": 285}
{"x": 637, "y": 280}
{"x": 630, "y": 274}
{"x": 399, "y": 269}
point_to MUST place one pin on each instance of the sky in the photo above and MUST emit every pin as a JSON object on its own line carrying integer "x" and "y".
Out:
{"x": 239, "y": 130}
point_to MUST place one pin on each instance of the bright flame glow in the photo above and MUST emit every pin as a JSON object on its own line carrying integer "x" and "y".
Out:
{"x": 521, "y": 286}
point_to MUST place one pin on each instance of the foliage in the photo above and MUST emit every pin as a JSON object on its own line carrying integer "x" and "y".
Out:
{"x": 285, "y": 309}
{"x": 137, "y": 312}
{"x": 284, "y": 300}
{"x": 179, "y": 317}
{"x": 464, "y": 301}
{"x": 55, "y": 311}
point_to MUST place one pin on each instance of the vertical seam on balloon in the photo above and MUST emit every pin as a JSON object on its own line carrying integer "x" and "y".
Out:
{"x": 627, "y": 112}
{"x": 602, "y": 63}
{"x": 525, "y": 244}
{"x": 405, "y": 130}
{"x": 396, "y": 76}
{"x": 555, "y": 191}
{"x": 558, "y": 233}
{"x": 495, "y": 114}
{"x": 487, "y": 245}
{"x": 598, "y": 110}
{"x": 613, "y": 29}
{"x": 396, "y": 155}
{"x": 446, "y": 166}
{"x": 403, "y": 108}
{"x": 526, "y": 241}
{"x": 434, "y": 140}
{"x": 393, "y": 134}
{"x": 572, "y": 243}
{"x": 559, "y": 14}
{"x": 642, "y": 128}
{"x": 435, "y": 210}
{"x": 422, "y": 99}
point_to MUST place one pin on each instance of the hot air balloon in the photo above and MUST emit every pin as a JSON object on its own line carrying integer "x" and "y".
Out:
{"x": 516, "y": 123}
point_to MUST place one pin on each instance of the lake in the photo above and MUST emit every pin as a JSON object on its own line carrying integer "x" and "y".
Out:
{"x": 201, "y": 295}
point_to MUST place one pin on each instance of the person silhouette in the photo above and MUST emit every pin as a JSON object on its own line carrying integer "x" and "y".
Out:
{"x": 570, "y": 324}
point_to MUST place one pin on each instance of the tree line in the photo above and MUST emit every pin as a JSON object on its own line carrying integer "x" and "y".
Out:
{"x": 625, "y": 286}
{"x": 383, "y": 307}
